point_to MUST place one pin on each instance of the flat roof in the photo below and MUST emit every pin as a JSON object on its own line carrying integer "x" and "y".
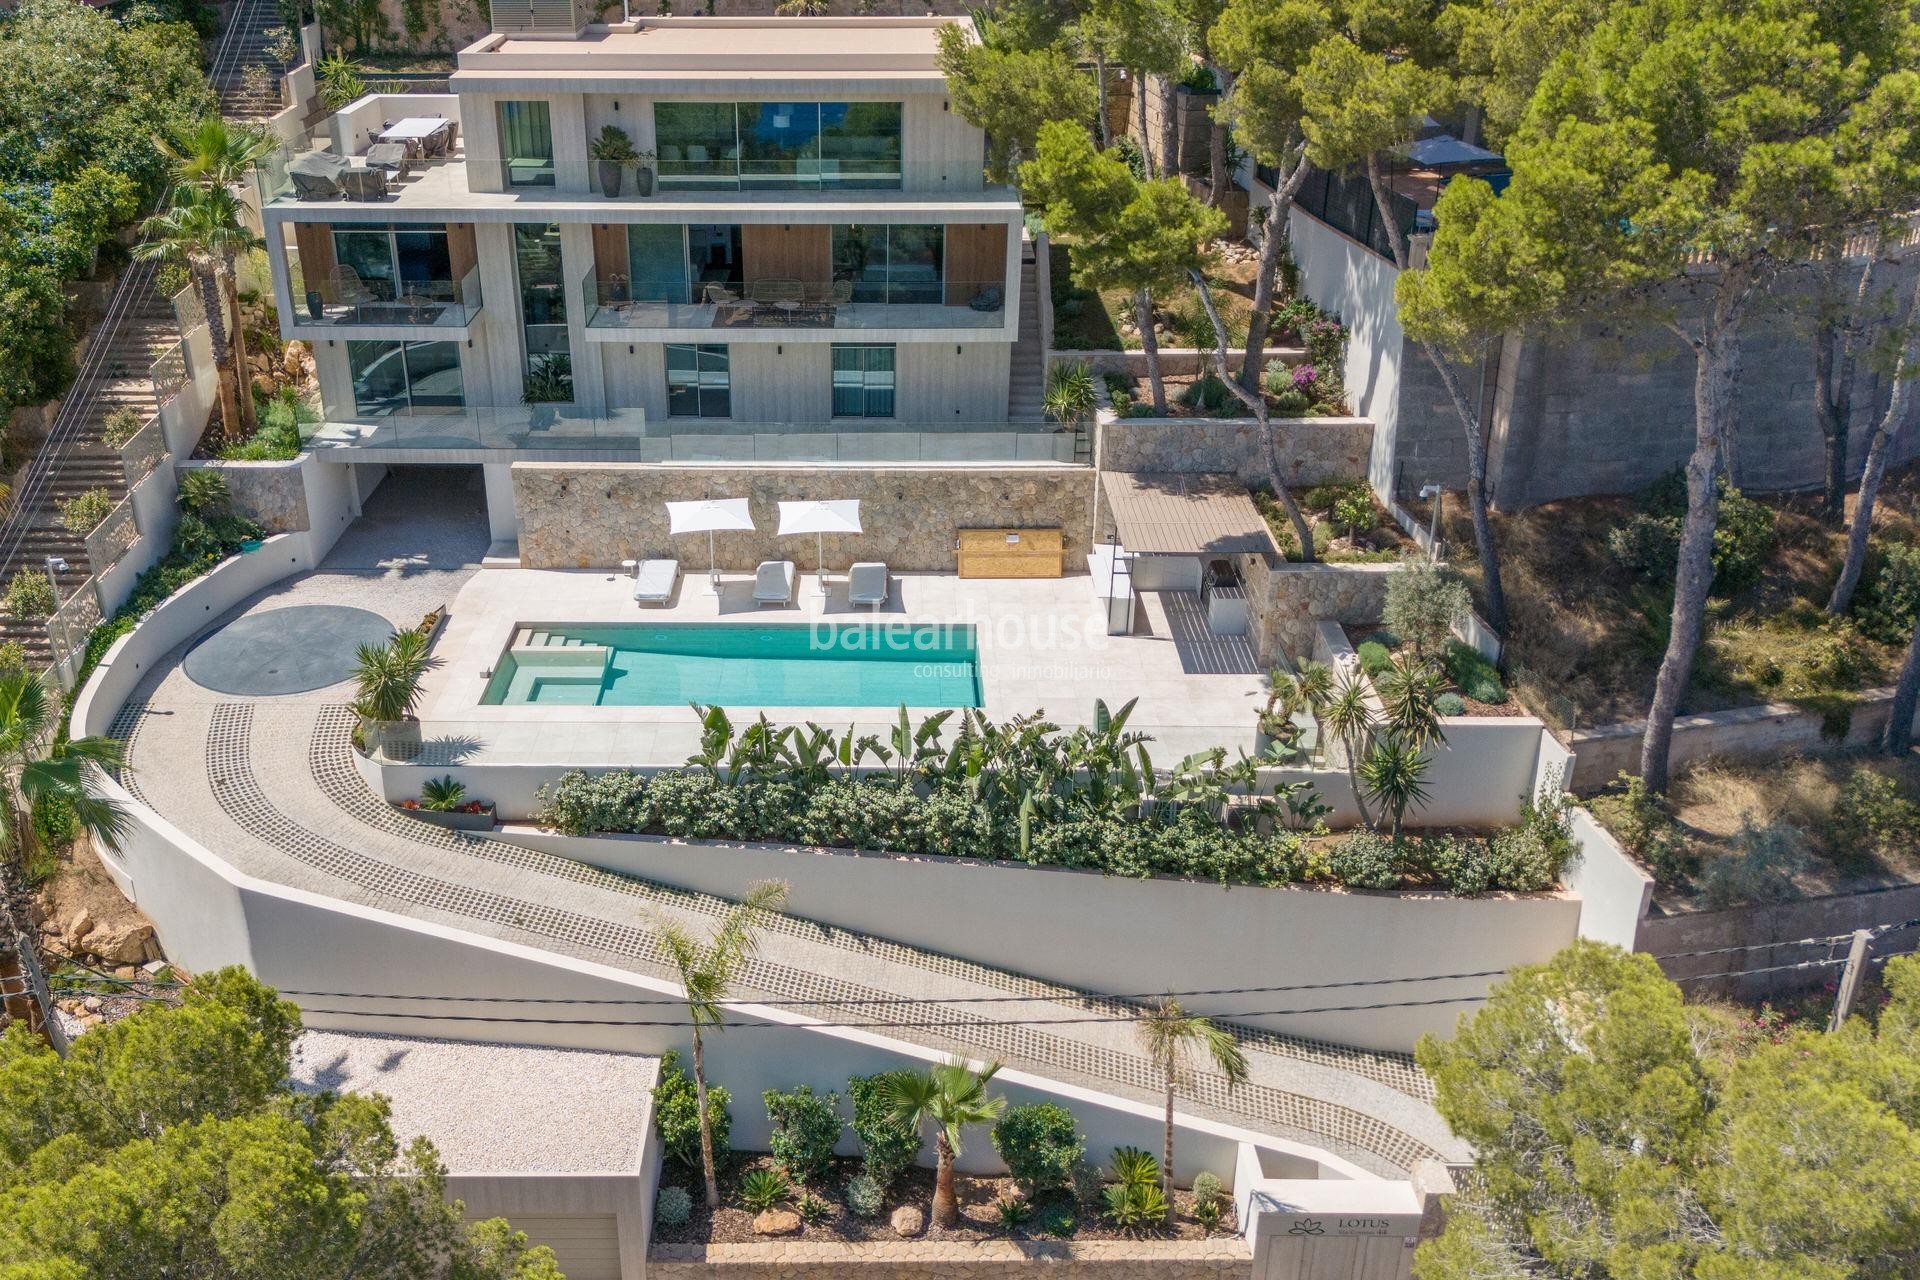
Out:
{"x": 1162, "y": 513}
{"x": 494, "y": 1108}
{"x": 723, "y": 46}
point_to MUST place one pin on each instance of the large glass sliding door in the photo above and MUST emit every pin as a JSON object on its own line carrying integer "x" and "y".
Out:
{"x": 526, "y": 143}
{"x": 403, "y": 260}
{"x": 543, "y": 310}
{"x": 778, "y": 145}
{"x": 896, "y": 264}
{"x": 699, "y": 381}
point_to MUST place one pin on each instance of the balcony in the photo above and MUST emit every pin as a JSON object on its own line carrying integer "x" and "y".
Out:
{"x": 622, "y": 311}
{"x": 345, "y": 301}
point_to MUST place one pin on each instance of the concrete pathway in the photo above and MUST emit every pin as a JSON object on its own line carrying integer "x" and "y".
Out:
{"x": 269, "y": 784}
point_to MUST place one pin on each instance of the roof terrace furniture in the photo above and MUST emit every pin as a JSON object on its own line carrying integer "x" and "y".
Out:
{"x": 773, "y": 583}
{"x": 414, "y": 132}
{"x": 390, "y": 156}
{"x": 316, "y": 175}
{"x": 364, "y": 184}
{"x": 867, "y": 584}
{"x": 653, "y": 581}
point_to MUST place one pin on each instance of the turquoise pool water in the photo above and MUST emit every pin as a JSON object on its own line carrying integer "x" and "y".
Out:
{"x": 737, "y": 664}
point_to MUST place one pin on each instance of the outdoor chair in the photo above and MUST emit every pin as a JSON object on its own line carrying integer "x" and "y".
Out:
{"x": 316, "y": 175}
{"x": 364, "y": 184}
{"x": 773, "y": 583}
{"x": 653, "y": 581}
{"x": 390, "y": 156}
{"x": 867, "y": 584}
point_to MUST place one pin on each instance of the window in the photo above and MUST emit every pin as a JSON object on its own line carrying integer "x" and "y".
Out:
{"x": 862, "y": 381}
{"x": 405, "y": 259}
{"x": 891, "y": 263}
{"x": 526, "y": 143}
{"x": 699, "y": 384}
{"x": 405, "y": 377}
{"x": 778, "y": 145}
{"x": 543, "y": 295}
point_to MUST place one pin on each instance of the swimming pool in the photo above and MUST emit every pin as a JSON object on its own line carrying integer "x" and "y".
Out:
{"x": 737, "y": 664}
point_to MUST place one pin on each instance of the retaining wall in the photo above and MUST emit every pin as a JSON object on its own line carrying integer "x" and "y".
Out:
{"x": 1311, "y": 450}
{"x": 956, "y": 1260}
{"x": 272, "y": 494}
{"x": 1174, "y": 361}
{"x": 1767, "y": 934}
{"x": 1771, "y": 729}
{"x": 1288, "y": 602}
{"x": 591, "y": 515}
{"x": 1108, "y": 933}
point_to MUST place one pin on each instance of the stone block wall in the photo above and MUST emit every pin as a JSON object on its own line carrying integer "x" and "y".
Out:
{"x": 1228, "y": 1259}
{"x": 272, "y": 494}
{"x": 1288, "y": 602}
{"x": 1312, "y": 450}
{"x": 593, "y": 515}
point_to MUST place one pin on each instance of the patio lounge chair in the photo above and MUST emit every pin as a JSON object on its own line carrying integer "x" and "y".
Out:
{"x": 316, "y": 175}
{"x": 653, "y": 581}
{"x": 867, "y": 584}
{"x": 773, "y": 583}
{"x": 364, "y": 184}
{"x": 391, "y": 156}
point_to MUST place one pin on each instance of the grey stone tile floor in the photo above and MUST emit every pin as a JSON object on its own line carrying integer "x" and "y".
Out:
{"x": 268, "y": 784}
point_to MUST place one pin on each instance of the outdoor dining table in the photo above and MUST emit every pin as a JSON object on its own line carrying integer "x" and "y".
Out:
{"x": 413, "y": 132}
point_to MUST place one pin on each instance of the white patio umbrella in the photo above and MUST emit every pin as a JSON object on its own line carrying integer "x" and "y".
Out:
{"x": 709, "y": 516}
{"x": 819, "y": 518}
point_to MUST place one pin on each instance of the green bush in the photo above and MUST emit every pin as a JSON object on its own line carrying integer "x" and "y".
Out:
{"x": 1641, "y": 820}
{"x": 1207, "y": 1188}
{"x": 1530, "y": 856}
{"x": 1040, "y": 1144}
{"x": 676, "y": 1113}
{"x": 866, "y": 1197}
{"x": 1365, "y": 860}
{"x": 579, "y": 803}
{"x": 1874, "y": 818}
{"x": 1209, "y": 395}
{"x": 1374, "y": 657}
{"x": 30, "y": 595}
{"x": 762, "y": 1189}
{"x": 672, "y": 1207}
{"x": 1423, "y": 602}
{"x": 1462, "y": 863}
{"x": 1133, "y": 1167}
{"x": 1356, "y": 513}
{"x": 1133, "y": 1207}
{"x": 887, "y": 1147}
{"x": 1889, "y": 604}
{"x": 1479, "y": 679}
{"x": 1760, "y": 867}
{"x": 13, "y": 657}
{"x": 120, "y": 426}
{"x": 1648, "y": 544}
{"x": 1449, "y": 704}
{"x": 805, "y": 1128}
{"x": 203, "y": 492}
{"x": 1291, "y": 403}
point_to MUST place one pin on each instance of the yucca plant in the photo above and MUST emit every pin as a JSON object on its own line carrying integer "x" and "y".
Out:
{"x": 762, "y": 1189}
{"x": 1070, "y": 395}
{"x": 442, "y": 795}
{"x": 1133, "y": 1207}
{"x": 1394, "y": 775}
{"x": 387, "y": 677}
{"x": 1012, "y": 1211}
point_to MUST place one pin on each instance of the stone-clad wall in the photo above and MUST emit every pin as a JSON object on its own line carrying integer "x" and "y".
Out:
{"x": 1290, "y": 601}
{"x": 272, "y": 494}
{"x": 593, "y": 515}
{"x": 1312, "y": 450}
{"x": 1226, "y": 1259}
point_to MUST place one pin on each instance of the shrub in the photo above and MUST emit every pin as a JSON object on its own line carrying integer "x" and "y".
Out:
{"x": 1530, "y": 856}
{"x": 1207, "y": 394}
{"x": 121, "y": 425}
{"x": 1479, "y": 679}
{"x": 578, "y": 803}
{"x": 1873, "y": 817}
{"x": 1133, "y": 1167}
{"x": 887, "y": 1147}
{"x": 672, "y": 1207}
{"x": 1649, "y": 543}
{"x": 1069, "y": 396}
{"x": 676, "y": 1113}
{"x": 1760, "y": 867}
{"x": 811, "y": 1207}
{"x": 1086, "y": 1184}
{"x": 1643, "y": 823}
{"x": 1356, "y": 513}
{"x": 203, "y": 492}
{"x": 1449, "y": 704}
{"x": 1423, "y": 602}
{"x": 442, "y": 795}
{"x": 761, "y": 1189}
{"x": 691, "y": 804}
{"x": 1365, "y": 860}
{"x": 1374, "y": 657}
{"x": 1012, "y": 1211}
{"x": 1133, "y": 1207}
{"x": 805, "y": 1129}
{"x": 1291, "y": 403}
{"x": 1207, "y": 1188}
{"x": 30, "y": 595}
{"x": 1890, "y": 604}
{"x": 1041, "y": 1145}
{"x": 1465, "y": 865}
{"x": 866, "y": 1197}
{"x": 1646, "y": 546}
{"x": 13, "y": 657}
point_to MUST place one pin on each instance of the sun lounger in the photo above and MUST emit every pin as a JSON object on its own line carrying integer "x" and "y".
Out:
{"x": 867, "y": 584}
{"x": 653, "y": 581}
{"x": 773, "y": 582}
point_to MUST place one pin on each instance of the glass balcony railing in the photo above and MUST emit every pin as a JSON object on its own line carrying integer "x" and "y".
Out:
{"x": 561, "y": 428}
{"x": 843, "y": 303}
{"x": 352, "y": 301}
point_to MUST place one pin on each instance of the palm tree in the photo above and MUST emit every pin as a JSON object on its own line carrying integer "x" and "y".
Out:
{"x": 949, "y": 1097}
{"x": 1409, "y": 691}
{"x": 1349, "y": 719}
{"x": 707, "y": 971}
{"x": 37, "y": 769}
{"x": 1394, "y": 773}
{"x": 1173, "y": 1038}
{"x": 387, "y": 676}
{"x": 202, "y": 228}
{"x": 215, "y": 155}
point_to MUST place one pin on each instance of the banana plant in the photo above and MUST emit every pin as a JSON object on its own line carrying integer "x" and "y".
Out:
{"x": 811, "y": 751}
{"x": 913, "y": 748}
{"x": 716, "y": 738}
{"x": 760, "y": 751}
{"x": 1198, "y": 782}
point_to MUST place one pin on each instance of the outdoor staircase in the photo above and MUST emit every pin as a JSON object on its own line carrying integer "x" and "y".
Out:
{"x": 243, "y": 45}
{"x": 533, "y": 638}
{"x": 1027, "y": 377}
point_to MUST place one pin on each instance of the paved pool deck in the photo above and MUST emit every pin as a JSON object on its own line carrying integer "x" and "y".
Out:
{"x": 1042, "y": 648}
{"x": 268, "y": 783}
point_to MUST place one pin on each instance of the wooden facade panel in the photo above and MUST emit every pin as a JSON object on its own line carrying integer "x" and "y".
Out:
{"x": 609, "y": 251}
{"x": 976, "y": 256}
{"x": 314, "y": 243}
{"x": 1012, "y": 553}
{"x": 462, "y": 252}
{"x": 787, "y": 252}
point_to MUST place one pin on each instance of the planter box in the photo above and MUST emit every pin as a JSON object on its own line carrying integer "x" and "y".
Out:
{"x": 458, "y": 820}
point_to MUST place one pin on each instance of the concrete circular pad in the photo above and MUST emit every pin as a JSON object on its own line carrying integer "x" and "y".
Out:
{"x": 285, "y": 650}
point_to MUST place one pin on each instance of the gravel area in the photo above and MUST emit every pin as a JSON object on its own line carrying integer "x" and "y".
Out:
{"x": 494, "y": 1108}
